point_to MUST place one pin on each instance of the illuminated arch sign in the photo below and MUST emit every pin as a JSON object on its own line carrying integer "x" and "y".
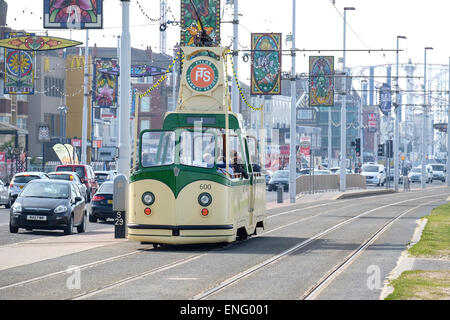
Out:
{"x": 73, "y": 14}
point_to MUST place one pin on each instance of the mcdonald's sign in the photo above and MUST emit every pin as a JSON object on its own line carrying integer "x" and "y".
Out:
{"x": 78, "y": 61}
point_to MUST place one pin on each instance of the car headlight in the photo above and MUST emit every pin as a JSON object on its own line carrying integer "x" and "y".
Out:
{"x": 17, "y": 207}
{"x": 148, "y": 198}
{"x": 60, "y": 209}
{"x": 205, "y": 199}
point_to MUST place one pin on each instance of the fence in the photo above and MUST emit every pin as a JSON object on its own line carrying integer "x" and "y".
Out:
{"x": 321, "y": 183}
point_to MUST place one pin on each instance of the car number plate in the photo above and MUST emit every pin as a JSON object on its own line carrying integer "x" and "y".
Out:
{"x": 110, "y": 202}
{"x": 21, "y": 187}
{"x": 37, "y": 218}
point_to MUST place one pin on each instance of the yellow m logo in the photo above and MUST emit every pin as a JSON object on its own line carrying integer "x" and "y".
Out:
{"x": 79, "y": 60}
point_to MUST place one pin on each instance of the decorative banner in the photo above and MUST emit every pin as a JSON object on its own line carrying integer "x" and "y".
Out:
{"x": 63, "y": 153}
{"x": 73, "y": 14}
{"x": 385, "y": 99}
{"x": 266, "y": 64}
{"x": 37, "y": 43}
{"x": 73, "y": 153}
{"x": 209, "y": 11}
{"x": 105, "y": 84}
{"x": 139, "y": 71}
{"x": 321, "y": 81}
{"x": 305, "y": 146}
{"x": 19, "y": 72}
{"x": 372, "y": 123}
{"x": 43, "y": 131}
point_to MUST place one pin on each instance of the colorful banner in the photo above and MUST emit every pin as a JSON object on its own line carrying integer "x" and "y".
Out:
{"x": 139, "y": 71}
{"x": 73, "y": 14}
{"x": 19, "y": 72}
{"x": 209, "y": 12}
{"x": 321, "y": 81}
{"x": 372, "y": 123}
{"x": 63, "y": 154}
{"x": 385, "y": 99}
{"x": 266, "y": 64}
{"x": 105, "y": 84}
{"x": 37, "y": 43}
{"x": 305, "y": 146}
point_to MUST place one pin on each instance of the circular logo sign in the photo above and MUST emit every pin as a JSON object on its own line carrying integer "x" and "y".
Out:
{"x": 202, "y": 75}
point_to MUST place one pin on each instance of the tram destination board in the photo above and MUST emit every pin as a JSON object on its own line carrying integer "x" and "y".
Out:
{"x": 204, "y": 120}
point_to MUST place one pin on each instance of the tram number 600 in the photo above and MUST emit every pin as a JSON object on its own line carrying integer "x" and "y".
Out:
{"x": 205, "y": 187}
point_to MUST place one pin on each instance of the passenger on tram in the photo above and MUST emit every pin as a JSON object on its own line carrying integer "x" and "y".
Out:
{"x": 221, "y": 166}
{"x": 209, "y": 160}
{"x": 237, "y": 165}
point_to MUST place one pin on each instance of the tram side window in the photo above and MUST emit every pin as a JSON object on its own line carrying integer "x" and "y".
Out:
{"x": 253, "y": 153}
{"x": 158, "y": 149}
{"x": 198, "y": 149}
{"x": 237, "y": 159}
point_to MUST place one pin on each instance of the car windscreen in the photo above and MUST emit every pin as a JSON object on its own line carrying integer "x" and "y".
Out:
{"x": 281, "y": 174}
{"x": 46, "y": 190}
{"x": 437, "y": 167}
{"x": 370, "y": 168}
{"x": 61, "y": 177}
{"x": 106, "y": 188}
{"x": 416, "y": 170}
{"x": 24, "y": 179}
{"x": 101, "y": 176}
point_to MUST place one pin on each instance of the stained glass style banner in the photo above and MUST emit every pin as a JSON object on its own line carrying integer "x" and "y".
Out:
{"x": 321, "y": 81}
{"x": 19, "y": 72}
{"x": 209, "y": 12}
{"x": 139, "y": 71}
{"x": 73, "y": 14}
{"x": 105, "y": 84}
{"x": 266, "y": 64}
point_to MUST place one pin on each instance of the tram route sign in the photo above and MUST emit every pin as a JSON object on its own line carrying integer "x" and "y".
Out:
{"x": 120, "y": 192}
{"x": 202, "y": 75}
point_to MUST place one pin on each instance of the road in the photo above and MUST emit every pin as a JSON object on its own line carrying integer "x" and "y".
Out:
{"x": 341, "y": 249}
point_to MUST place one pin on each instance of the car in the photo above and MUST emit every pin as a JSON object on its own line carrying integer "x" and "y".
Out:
{"x": 19, "y": 181}
{"x": 375, "y": 174}
{"x": 322, "y": 172}
{"x": 281, "y": 177}
{"x": 305, "y": 171}
{"x": 49, "y": 205}
{"x": 439, "y": 172}
{"x": 4, "y": 198}
{"x": 415, "y": 175}
{"x": 102, "y": 203}
{"x": 102, "y": 176}
{"x": 69, "y": 176}
{"x": 392, "y": 175}
{"x": 337, "y": 170}
{"x": 86, "y": 174}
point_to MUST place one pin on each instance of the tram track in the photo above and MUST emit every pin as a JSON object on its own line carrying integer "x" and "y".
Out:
{"x": 248, "y": 272}
{"x": 183, "y": 261}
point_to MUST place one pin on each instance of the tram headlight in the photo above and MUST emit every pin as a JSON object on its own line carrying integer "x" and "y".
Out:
{"x": 204, "y": 199}
{"x": 148, "y": 198}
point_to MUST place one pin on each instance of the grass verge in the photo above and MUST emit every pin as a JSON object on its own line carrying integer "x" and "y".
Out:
{"x": 434, "y": 243}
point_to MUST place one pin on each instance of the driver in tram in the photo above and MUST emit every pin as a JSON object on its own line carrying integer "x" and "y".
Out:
{"x": 237, "y": 165}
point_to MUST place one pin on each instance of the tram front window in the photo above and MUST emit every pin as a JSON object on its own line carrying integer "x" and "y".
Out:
{"x": 198, "y": 149}
{"x": 158, "y": 149}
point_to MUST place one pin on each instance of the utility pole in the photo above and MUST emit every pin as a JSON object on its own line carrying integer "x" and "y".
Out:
{"x": 234, "y": 89}
{"x": 124, "y": 160}
{"x": 343, "y": 171}
{"x": 448, "y": 128}
{"x": 163, "y": 22}
{"x": 398, "y": 111}
{"x": 85, "y": 102}
{"x": 293, "y": 131}
{"x": 424, "y": 116}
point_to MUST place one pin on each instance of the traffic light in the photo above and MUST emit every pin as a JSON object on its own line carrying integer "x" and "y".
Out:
{"x": 358, "y": 147}
{"x": 381, "y": 150}
{"x": 389, "y": 148}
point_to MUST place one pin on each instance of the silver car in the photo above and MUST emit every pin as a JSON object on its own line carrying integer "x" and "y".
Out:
{"x": 19, "y": 181}
{"x": 70, "y": 176}
{"x": 4, "y": 199}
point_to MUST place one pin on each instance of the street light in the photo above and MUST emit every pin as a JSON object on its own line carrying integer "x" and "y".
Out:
{"x": 343, "y": 172}
{"x": 398, "y": 113}
{"x": 425, "y": 114}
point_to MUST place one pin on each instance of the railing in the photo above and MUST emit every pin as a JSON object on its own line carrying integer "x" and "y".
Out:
{"x": 321, "y": 183}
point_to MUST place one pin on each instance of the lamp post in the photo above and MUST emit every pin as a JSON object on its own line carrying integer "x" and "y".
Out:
{"x": 124, "y": 159}
{"x": 398, "y": 112}
{"x": 448, "y": 128}
{"x": 343, "y": 172}
{"x": 424, "y": 115}
{"x": 293, "y": 131}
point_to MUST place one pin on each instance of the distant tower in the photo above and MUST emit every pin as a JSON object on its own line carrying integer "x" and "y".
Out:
{"x": 3, "y": 13}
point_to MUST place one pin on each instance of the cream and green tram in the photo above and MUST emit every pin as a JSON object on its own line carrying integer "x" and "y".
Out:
{"x": 197, "y": 180}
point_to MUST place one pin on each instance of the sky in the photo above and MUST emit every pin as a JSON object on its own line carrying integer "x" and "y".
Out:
{"x": 373, "y": 25}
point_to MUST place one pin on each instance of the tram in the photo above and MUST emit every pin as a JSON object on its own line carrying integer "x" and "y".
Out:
{"x": 198, "y": 179}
